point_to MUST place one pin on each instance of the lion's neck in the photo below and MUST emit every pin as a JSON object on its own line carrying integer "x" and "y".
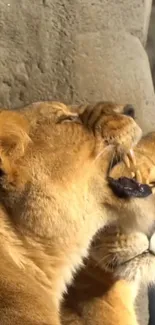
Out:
{"x": 101, "y": 294}
{"x": 109, "y": 281}
{"x": 33, "y": 257}
{"x": 51, "y": 262}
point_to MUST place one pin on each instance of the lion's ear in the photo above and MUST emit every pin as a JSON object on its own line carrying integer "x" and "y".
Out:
{"x": 14, "y": 138}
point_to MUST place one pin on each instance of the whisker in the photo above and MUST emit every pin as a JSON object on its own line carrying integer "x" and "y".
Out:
{"x": 103, "y": 151}
{"x": 111, "y": 163}
{"x": 106, "y": 260}
{"x": 98, "y": 246}
{"x": 102, "y": 245}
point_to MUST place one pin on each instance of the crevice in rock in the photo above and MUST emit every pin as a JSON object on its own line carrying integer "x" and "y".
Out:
{"x": 7, "y": 82}
{"x": 21, "y": 96}
{"x": 40, "y": 67}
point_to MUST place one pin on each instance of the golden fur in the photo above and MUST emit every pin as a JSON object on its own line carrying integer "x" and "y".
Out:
{"x": 104, "y": 291}
{"x": 54, "y": 197}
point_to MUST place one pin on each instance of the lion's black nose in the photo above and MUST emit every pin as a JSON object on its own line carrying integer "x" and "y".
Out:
{"x": 129, "y": 110}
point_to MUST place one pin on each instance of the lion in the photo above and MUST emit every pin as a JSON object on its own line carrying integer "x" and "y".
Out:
{"x": 105, "y": 289}
{"x": 54, "y": 162}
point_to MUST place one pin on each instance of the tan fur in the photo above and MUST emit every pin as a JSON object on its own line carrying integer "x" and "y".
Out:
{"x": 54, "y": 197}
{"x": 120, "y": 259}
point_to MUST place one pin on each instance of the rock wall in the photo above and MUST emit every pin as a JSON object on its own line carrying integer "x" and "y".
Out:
{"x": 74, "y": 51}
{"x": 150, "y": 47}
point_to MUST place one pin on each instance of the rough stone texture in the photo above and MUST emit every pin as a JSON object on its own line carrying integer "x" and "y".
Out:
{"x": 74, "y": 50}
{"x": 151, "y": 305}
{"x": 150, "y": 47}
{"x": 65, "y": 50}
{"x": 147, "y": 12}
{"x": 39, "y": 35}
{"x": 119, "y": 70}
{"x": 151, "y": 53}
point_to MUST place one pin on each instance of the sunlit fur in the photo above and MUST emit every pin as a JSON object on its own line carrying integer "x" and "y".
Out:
{"x": 54, "y": 197}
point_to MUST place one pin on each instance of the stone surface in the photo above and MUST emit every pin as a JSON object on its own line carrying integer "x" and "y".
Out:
{"x": 150, "y": 46}
{"x": 115, "y": 66}
{"x": 147, "y": 12}
{"x": 39, "y": 39}
{"x": 151, "y": 305}
{"x": 65, "y": 50}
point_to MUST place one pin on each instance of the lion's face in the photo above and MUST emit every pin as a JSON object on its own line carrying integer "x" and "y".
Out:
{"x": 120, "y": 249}
{"x": 46, "y": 161}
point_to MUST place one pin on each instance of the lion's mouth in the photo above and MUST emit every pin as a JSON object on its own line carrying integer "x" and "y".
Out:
{"x": 114, "y": 264}
{"x": 125, "y": 187}
{"x": 144, "y": 254}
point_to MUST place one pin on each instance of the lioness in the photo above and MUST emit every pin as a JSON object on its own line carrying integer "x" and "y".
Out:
{"x": 104, "y": 291}
{"x": 54, "y": 195}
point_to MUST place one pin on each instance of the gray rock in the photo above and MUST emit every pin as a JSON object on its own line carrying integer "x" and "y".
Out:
{"x": 150, "y": 46}
{"x": 39, "y": 41}
{"x": 114, "y": 65}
